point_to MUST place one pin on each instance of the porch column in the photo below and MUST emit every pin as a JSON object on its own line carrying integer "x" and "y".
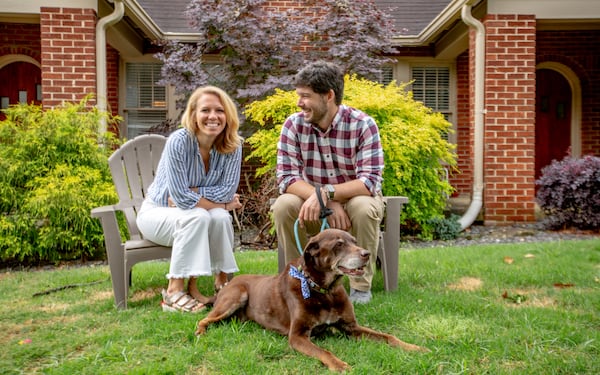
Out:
{"x": 68, "y": 55}
{"x": 509, "y": 138}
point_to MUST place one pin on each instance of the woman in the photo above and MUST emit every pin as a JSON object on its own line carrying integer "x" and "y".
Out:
{"x": 187, "y": 206}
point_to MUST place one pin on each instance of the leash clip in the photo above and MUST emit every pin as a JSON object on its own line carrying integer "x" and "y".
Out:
{"x": 325, "y": 211}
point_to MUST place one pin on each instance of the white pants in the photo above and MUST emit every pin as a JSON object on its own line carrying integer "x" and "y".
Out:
{"x": 202, "y": 240}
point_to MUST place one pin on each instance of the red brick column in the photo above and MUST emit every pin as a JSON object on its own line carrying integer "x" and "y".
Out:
{"x": 112, "y": 79}
{"x": 463, "y": 180}
{"x": 68, "y": 55}
{"x": 509, "y": 138}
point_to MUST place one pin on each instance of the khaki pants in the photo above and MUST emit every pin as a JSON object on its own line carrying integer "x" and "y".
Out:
{"x": 365, "y": 213}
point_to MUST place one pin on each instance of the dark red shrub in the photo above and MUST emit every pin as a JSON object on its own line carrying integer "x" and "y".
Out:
{"x": 569, "y": 193}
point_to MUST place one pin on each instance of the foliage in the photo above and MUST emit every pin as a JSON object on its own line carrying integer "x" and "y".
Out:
{"x": 411, "y": 134}
{"x": 445, "y": 228}
{"x": 249, "y": 48}
{"x": 256, "y": 211}
{"x": 569, "y": 193}
{"x": 52, "y": 173}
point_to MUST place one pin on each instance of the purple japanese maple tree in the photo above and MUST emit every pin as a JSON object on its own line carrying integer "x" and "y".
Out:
{"x": 248, "y": 48}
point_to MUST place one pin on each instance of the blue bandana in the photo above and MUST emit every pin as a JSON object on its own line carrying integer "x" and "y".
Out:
{"x": 295, "y": 273}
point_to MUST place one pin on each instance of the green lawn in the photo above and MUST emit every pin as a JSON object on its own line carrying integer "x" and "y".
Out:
{"x": 529, "y": 308}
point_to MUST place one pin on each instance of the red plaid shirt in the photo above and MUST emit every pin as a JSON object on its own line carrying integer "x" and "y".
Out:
{"x": 350, "y": 149}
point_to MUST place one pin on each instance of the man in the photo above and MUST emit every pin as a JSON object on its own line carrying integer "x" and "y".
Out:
{"x": 335, "y": 151}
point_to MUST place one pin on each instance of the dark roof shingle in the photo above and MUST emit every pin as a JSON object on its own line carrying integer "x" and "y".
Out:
{"x": 410, "y": 16}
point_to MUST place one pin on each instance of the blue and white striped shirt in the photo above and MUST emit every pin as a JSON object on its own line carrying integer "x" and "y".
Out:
{"x": 181, "y": 168}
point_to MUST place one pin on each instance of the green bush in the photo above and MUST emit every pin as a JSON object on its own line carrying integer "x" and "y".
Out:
{"x": 445, "y": 228}
{"x": 412, "y": 136}
{"x": 52, "y": 173}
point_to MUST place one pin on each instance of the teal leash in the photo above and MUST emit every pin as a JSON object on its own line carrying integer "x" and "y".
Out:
{"x": 323, "y": 216}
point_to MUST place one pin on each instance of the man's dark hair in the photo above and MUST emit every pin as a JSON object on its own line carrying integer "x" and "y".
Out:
{"x": 322, "y": 76}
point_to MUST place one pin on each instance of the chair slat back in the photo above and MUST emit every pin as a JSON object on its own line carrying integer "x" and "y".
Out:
{"x": 133, "y": 167}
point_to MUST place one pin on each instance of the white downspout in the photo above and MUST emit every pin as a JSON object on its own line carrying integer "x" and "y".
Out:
{"x": 477, "y": 200}
{"x": 101, "y": 90}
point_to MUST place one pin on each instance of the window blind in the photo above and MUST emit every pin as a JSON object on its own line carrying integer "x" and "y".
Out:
{"x": 145, "y": 101}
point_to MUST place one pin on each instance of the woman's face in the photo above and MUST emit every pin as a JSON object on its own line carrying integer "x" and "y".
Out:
{"x": 210, "y": 116}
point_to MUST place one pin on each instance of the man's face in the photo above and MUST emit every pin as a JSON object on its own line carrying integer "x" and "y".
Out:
{"x": 313, "y": 105}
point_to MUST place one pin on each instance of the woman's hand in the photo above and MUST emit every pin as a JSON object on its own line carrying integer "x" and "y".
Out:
{"x": 234, "y": 204}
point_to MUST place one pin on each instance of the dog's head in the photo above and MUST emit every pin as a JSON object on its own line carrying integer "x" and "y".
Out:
{"x": 336, "y": 250}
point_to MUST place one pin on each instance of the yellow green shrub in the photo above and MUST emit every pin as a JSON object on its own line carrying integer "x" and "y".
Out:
{"x": 53, "y": 171}
{"x": 412, "y": 135}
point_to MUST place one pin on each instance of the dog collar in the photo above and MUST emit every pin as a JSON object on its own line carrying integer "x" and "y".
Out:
{"x": 306, "y": 282}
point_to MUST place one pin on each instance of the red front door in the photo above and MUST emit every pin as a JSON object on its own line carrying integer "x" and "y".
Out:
{"x": 19, "y": 83}
{"x": 553, "y": 118}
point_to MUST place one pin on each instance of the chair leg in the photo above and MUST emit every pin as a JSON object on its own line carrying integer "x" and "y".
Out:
{"x": 390, "y": 263}
{"x": 383, "y": 262}
{"x": 116, "y": 263}
{"x": 391, "y": 243}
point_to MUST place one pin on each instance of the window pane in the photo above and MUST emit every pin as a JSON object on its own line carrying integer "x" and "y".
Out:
{"x": 432, "y": 87}
{"x": 387, "y": 75}
{"x": 139, "y": 121}
{"x": 145, "y": 100}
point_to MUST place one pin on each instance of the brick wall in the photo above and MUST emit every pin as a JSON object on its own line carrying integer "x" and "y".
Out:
{"x": 578, "y": 50}
{"x": 248, "y": 180}
{"x": 509, "y": 137}
{"x": 20, "y": 39}
{"x": 112, "y": 79}
{"x": 68, "y": 55}
{"x": 462, "y": 180}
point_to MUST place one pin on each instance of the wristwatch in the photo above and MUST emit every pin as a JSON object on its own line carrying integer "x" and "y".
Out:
{"x": 330, "y": 191}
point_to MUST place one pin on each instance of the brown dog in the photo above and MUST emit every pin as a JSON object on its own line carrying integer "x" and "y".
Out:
{"x": 304, "y": 298}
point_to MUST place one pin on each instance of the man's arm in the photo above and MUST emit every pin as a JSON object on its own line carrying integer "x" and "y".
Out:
{"x": 350, "y": 189}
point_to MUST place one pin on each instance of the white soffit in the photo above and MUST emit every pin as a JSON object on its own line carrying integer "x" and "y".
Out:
{"x": 547, "y": 9}
{"x": 33, "y": 6}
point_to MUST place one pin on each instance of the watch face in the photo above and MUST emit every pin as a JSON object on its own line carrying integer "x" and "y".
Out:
{"x": 330, "y": 190}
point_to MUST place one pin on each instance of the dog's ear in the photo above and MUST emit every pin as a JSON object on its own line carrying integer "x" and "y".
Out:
{"x": 312, "y": 247}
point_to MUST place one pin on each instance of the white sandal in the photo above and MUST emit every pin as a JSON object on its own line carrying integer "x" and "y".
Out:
{"x": 181, "y": 302}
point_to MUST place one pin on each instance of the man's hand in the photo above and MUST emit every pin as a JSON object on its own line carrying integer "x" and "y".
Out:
{"x": 311, "y": 208}
{"x": 339, "y": 219}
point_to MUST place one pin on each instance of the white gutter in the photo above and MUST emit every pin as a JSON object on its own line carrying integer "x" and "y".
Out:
{"x": 477, "y": 200}
{"x": 101, "y": 90}
{"x": 437, "y": 26}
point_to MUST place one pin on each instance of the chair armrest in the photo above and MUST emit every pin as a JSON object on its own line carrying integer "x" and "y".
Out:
{"x": 110, "y": 227}
{"x": 100, "y": 212}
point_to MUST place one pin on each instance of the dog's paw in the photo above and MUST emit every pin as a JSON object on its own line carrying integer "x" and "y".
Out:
{"x": 200, "y": 329}
{"x": 415, "y": 348}
{"x": 339, "y": 366}
{"x": 406, "y": 346}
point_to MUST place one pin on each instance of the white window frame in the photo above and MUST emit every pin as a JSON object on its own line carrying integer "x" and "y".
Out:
{"x": 403, "y": 72}
{"x": 166, "y": 110}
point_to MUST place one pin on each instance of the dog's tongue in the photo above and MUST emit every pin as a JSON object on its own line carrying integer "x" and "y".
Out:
{"x": 352, "y": 272}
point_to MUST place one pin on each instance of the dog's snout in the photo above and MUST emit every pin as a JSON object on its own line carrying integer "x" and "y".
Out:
{"x": 365, "y": 254}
